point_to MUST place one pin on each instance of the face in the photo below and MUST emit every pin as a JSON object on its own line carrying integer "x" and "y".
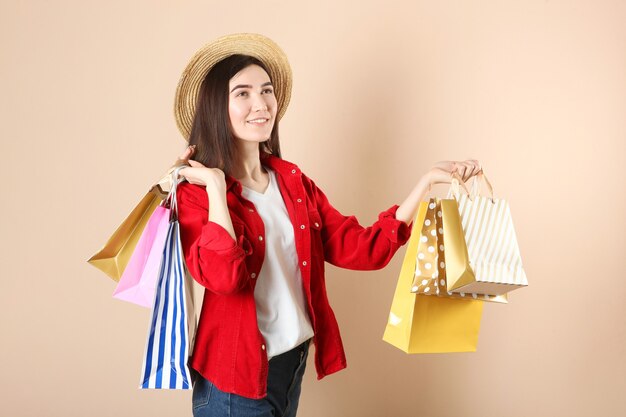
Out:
{"x": 252, "y": 104}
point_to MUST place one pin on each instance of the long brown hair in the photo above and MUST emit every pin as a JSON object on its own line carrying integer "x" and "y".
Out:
{"x": 211, "y": 131}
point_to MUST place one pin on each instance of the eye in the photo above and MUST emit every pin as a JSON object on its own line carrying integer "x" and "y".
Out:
{"x": 242, "y": 92}
{"x": 268, "y": 91}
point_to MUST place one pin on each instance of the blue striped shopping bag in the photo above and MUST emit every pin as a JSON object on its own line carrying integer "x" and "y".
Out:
{"x": 168, "y": 342}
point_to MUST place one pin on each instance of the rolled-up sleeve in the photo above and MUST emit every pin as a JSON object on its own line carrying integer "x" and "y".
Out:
{"x": 348, "y": 244}
{"x": 217, "y": 239}
{"x": 213, "y": 257}
{"x": 396, "y": 230}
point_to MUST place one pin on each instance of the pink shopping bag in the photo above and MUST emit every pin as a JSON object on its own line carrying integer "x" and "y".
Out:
{"x": 138, "y": 282}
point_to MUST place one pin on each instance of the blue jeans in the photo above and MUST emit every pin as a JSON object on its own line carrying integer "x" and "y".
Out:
{"x": 284, "y": 380}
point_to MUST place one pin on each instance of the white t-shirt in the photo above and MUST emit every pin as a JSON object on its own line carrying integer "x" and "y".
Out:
{"x": 280, "y": 303}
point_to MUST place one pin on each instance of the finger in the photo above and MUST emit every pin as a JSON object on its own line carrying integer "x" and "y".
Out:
{"x": 479, "y": 167}
{"x": 476, "y": 165}
{"x": 189, "y": 150}
{"x": 195, "y": 164}
{"x": 469, "y": 171}
{"x": 460, "y": 169}
{"x": 465, "y": 171}
{"x": 186, "y": 154}
{"x": 473, "y": 167}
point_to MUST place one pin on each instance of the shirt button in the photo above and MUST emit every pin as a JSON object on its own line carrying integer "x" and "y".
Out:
{"x": 304, "y": 263}
{"x": 253, "y": 275}
{"x": 263, "y": 347}
{"x": 293, "y": 171}
{"x": 260, "y": 237}
{"x": 393, "y": 231}
{"x": 317, "y": 224}
{"x": 250, "y": 210}
{"x": 299, "y": 200}
{"x": 302, "y": 226}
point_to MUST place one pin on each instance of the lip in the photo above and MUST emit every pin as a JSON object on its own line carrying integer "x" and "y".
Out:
{"x": 267, "y": 120}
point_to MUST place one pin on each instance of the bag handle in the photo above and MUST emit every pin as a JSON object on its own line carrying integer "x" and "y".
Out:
{"x": 476, "y": 185}
{"x": 164, "y": 185}
{"x": 454, "y": 186}
{"x": 170, "y": 200}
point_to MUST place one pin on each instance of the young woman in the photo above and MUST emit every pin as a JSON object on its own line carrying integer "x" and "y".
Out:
{"x": 256, "y": 232}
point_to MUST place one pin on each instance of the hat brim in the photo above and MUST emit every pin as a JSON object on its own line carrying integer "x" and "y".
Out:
{"x": 258, "y": 46}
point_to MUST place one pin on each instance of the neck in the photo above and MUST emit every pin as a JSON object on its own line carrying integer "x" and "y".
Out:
{"x": 248, "y": 167}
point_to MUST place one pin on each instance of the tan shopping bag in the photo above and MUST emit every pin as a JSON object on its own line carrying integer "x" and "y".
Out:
{"x": 116, "y": 252}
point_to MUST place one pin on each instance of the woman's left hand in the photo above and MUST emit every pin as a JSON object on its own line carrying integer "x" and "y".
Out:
{"x": 443, "y": 172}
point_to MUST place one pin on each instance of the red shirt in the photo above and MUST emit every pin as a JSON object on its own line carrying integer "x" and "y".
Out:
{"x": 229, "y": 348}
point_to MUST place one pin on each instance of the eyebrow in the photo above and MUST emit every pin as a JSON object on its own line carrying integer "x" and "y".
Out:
{"x": 249, "y": 86}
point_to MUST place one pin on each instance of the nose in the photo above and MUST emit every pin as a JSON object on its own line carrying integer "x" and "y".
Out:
{"x": 260, "y": 104}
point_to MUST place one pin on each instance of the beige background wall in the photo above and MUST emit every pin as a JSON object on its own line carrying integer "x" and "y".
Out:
{"x": 534, "y": 89}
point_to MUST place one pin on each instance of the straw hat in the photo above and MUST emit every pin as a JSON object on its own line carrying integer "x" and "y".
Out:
{"x": 251, "y": 44}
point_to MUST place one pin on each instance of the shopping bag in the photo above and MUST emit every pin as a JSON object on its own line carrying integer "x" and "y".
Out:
{"x": 491, "y": 245}
{"x": 430, "y": 272}
{"x": 171, "y": 326}
{"x": 116, "y": 252}
{"x": 420, "y": 323}
{"x": 138, "y": 282}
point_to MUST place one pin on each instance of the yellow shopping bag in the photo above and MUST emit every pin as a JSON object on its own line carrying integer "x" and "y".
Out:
{"x": 421, "y": 323}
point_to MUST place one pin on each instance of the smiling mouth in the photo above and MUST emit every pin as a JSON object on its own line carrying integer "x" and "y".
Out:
{"x": 260, "y": 121}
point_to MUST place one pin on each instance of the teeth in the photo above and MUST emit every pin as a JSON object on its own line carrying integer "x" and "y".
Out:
{"x": 258, "y": 121}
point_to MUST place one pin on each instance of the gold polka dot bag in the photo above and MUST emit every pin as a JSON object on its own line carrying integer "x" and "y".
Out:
{"x": 430, "y": 277}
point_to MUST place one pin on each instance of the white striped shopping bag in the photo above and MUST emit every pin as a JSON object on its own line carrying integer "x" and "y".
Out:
{"x": 492, "y": 248}
{"x": 168, "y": 343}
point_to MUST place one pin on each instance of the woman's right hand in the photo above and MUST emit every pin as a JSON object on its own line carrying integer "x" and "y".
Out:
{"x": 214, "y": 180}
{"x": 211, "y": 178}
